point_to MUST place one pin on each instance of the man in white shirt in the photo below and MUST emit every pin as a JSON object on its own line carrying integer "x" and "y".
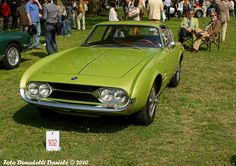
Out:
{"x": 154, "y": 8}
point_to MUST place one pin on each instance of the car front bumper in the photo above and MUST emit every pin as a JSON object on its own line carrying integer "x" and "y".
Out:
{"x": 76, "y": 108}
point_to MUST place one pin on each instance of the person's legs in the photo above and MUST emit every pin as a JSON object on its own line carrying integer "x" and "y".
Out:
{"x": 5, "y": 22}
{"x": 68, "y": 26}
{"x": 48, "y": 37}
{"x": 182, "y": 35}
{"x": 197, "y": 44}
{"x": 83, "y": 21}
{"x": 168, "y": 12}
{"x": 223, "y": 31}
{"x": 53, "y": 41}
{"x": 14, "y": 21}
{"x": 78, "y": 20}
{"x": 37, "y": 36}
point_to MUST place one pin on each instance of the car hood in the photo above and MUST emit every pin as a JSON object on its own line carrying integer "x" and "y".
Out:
{"x": 104, "y": 62}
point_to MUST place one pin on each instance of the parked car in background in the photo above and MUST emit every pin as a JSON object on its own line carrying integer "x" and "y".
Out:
{"x": 120, "y": 69}
{"x": 12, "y": 43}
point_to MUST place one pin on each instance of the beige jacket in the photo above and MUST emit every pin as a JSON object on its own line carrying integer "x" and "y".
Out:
{"x": 154, "y": 8}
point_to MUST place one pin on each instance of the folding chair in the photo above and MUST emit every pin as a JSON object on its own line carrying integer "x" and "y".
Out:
{"x": 208, "y": 42}
{"x": 188, "y": 40}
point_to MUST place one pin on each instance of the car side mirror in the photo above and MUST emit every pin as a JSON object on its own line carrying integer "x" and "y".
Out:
{"x": 172, "y": 44}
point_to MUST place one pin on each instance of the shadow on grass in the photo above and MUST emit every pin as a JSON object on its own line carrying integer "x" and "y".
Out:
{"x": 233, "y": 160}
{"x": 29, "y": 115}
{"x": 23, "y": 60}
{"x": 39, "y": 54}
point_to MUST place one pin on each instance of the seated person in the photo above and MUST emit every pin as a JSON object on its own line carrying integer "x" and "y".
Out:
{"x": 188, "y": 26}
{"x": 209, "y": 33}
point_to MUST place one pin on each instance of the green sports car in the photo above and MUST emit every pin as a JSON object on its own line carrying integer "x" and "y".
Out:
{"x": 12, "y": 43}
{"x": 120, "y": 69}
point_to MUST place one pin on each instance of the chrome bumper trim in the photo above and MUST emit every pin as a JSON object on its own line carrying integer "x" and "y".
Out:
{"x": 73, "y": 106}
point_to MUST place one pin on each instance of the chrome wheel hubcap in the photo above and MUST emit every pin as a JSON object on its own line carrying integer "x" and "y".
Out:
{"x": 13, "y": 56}
{"x": 152, "y": 102}
{"x": 178, "y": 73}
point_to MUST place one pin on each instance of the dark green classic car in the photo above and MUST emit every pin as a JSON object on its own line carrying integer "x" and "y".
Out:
{"x": 12, "y": 43}
{"x": 120, "y": 69}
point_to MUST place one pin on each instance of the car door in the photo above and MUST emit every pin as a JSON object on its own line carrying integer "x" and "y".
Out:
{"x": 169, "y": 50}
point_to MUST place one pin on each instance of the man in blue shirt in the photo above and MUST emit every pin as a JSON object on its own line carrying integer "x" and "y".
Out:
{"x": 32, "y": 9}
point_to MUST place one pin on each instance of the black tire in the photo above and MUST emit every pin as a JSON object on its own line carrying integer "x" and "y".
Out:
{"x": 198, "y": 13}
{"x": 147, "y": 114}
{"x": 46, "y": 112}
{"x": 174, "y": 82}
{"x": 12, "y": 56}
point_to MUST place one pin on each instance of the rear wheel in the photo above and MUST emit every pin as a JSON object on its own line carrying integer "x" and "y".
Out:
{"x": 12, "y": 56}
{"x": 147, "y": 114}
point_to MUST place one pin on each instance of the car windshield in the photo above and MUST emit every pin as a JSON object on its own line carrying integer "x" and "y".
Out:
{"x": 124, "y": 36}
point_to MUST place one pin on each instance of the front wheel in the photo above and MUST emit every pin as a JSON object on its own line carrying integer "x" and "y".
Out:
{"x": 147, "y": 114}
{"x": 176, "y": 77}
{"x": 12, "y": 56}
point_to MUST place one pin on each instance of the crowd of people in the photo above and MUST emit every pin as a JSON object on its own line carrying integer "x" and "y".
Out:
{"x": 48, "y": 19}
{"x": 55, "y": 18}
{"x": 189, "y": 26}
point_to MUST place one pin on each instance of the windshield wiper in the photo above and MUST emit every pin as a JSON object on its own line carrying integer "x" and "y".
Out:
{"x": 98, "y": 45}
{"x": 129, "y": 45}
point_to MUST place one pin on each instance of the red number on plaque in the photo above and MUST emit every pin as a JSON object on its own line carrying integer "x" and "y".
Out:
{"x": 52, "y": 142}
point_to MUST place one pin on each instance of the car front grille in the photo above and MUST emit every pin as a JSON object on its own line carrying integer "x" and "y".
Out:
{"x": 74, "y": 93}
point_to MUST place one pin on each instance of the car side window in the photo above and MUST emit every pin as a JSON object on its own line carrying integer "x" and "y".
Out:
{"x": 166, "y": 35}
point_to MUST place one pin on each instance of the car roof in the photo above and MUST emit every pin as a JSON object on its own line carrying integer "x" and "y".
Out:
{"x": 142, "y": 23}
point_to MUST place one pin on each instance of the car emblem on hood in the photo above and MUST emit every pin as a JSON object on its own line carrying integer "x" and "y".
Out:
{"x": 74, "y": 78}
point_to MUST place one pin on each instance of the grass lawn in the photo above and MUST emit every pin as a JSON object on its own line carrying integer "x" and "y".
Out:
{"x": 195, "y": 123}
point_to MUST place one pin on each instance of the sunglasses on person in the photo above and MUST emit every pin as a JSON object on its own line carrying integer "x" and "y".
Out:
{"x": 213, "y": 15}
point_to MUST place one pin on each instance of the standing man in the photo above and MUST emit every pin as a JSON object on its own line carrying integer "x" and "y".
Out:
{"x": 167, "y": 7}
{"x": 13, "y": 6}
{"x": 5, "y": 9}
{"x": 154, "y": 8}
{"x": 221, "y": 9}
{"x": 23, "y": 20}
{"x": 32, "y": 10}
{"x": 81, "y": 15}
{"x": 50, "y": 15}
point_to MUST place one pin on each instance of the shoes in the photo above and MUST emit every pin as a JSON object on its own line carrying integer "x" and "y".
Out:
{"x": 195, "y": 50}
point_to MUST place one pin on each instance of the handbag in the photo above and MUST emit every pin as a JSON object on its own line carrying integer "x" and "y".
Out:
{"x": 32, "y": 30}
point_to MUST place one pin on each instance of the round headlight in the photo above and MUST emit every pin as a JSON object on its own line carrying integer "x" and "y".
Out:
{"x": 44, "y": 90}
{"x": 106, "y": 95}
{"x": 33, "y": 88}
{"x": 120, "y": 96}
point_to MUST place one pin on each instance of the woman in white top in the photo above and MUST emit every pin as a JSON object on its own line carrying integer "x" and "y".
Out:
{"x": 112, "y": 13}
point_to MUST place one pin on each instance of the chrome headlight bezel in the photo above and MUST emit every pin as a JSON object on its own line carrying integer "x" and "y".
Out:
{"x": 44, "y": 90}
{"x": 113, "y": 97}
{"x": 32, "y": 88}
{"x": 38, "y": 90}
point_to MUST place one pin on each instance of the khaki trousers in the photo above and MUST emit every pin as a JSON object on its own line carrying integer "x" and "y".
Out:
{"x": 223, "y": 31}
